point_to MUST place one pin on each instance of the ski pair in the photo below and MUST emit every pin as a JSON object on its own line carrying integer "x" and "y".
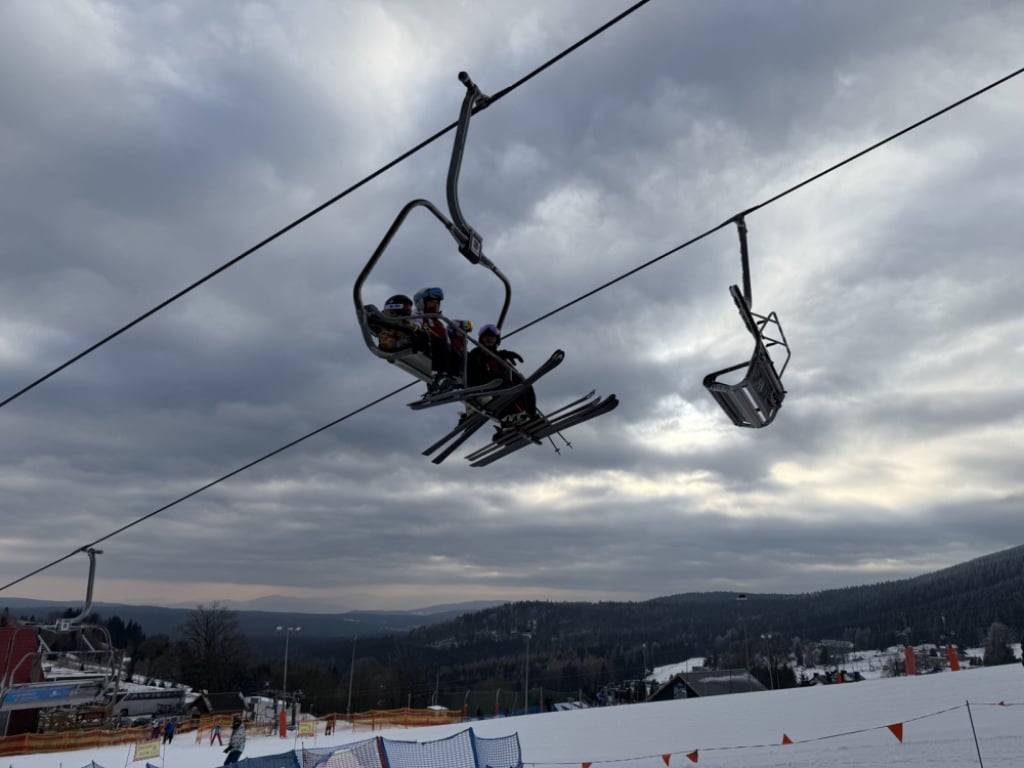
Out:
{"x": 430, "y": 399}
{"x": 540, "y": 428}
{"x": 481, "y": 413}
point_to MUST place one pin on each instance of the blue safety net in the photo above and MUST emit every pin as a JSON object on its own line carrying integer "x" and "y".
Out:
{"x": 463, "y": 750}
{"x": 362, "y": 754}
{"x": 502, "y": 752}
{"x": 454, "y": 752}
{"x": 283, "y": 760}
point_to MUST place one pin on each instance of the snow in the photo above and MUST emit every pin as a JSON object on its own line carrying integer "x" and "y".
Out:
{"x": 835, "y": 725}
{"x": 664, "y": 674}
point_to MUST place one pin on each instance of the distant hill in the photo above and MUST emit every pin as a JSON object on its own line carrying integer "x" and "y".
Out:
{"x": 956, "y": 605}
{"x": 400, "y": 656}
{"x": 156, "y": 620}
{"x": 618, "y": 639}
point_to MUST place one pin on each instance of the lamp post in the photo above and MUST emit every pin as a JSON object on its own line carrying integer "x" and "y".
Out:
{"x": 768, "y": 646}
{"x": 526, "y": 685}
{"x": 740, "y": 600}
{"x": 351, "y": 677}
{"x": 287, "y": 634}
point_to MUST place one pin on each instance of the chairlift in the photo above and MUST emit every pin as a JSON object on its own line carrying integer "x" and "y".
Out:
{"x": 468, "y": 242}
{"x": 484, "y": 402}
{"x": 755, "y": 400}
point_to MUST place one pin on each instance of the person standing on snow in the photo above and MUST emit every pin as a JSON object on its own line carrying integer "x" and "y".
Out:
{"x": 237, "y": 741}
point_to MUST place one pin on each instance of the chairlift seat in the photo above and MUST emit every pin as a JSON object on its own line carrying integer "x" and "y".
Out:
{"x": 409, "y": 360}
{"x": 755, "y": 400}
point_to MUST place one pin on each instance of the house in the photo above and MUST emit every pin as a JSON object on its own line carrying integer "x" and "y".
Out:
{"x": 714, "y": 682}
{"x": 228, "y": 703}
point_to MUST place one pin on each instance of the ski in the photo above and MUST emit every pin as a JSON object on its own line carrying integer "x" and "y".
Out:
{"x": 468, "y": 428}
{"x": 498, "y": 399}
{"x": 430, "y": 399}
{"x": 541, "y": 420}
{"x": 571, "y": 419}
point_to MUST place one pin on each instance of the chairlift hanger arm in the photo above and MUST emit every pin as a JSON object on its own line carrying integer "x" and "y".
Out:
{"x": 470, "y": 243}
{"x": 741, "y": 228}
{"x": 88, "y": 591}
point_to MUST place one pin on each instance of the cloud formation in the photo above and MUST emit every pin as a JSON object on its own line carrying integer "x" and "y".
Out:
{"x": 146, "y": 145}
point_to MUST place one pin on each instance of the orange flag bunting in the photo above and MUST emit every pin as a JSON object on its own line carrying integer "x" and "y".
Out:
{"x": 786, "y": 739}
{"x": 667, "y": 757}
{"x": 897, "y": 731}
{"x": 693, "y": 756}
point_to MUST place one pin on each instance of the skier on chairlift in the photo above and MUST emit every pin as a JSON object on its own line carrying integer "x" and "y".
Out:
{"x": 487, "y": 362}
{"x": 443, "y": 358}
{"x": 399, "y": 334}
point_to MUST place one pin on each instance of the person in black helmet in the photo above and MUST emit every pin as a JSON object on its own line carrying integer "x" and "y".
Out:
{"x": 399, "y": 335}
{"x": 486, "y": 362}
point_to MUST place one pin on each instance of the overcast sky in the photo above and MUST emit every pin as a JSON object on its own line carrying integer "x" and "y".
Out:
{"x": 146, "y": 144}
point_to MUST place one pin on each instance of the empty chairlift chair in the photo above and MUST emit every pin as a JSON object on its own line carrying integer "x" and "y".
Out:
{"x": 755, "y": 400}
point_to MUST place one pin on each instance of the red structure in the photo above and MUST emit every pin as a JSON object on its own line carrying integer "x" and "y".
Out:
{"x": 18, "y": 664}
{"x": 908, "y": 651}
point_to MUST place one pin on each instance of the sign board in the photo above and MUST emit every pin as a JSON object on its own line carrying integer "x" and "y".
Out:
{"x": 307, "y": 728}
{"x": 144, "y": 750}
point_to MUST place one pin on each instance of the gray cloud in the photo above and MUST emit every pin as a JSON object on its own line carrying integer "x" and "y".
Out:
{"x": 145, "y": 146}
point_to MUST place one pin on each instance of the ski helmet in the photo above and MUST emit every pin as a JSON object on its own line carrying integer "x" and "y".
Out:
{"x": 398, "y": 305}
{"x": 428, "y": 293}
{"x": 492, "y": 329}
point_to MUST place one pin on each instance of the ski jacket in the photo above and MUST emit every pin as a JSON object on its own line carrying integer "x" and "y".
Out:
{"x": 482, "y": 368}
{"x": 237, "y": 741}
{"x": 392, "y": 338}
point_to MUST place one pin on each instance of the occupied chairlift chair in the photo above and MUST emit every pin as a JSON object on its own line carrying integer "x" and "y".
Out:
{"x": 754, "y": 401}
{"x": 468, "y": 240}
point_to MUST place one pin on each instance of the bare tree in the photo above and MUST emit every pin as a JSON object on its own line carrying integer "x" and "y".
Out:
{"x": 216, "y": 651}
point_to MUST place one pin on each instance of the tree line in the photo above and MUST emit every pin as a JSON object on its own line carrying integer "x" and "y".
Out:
{"x": 579, "y": 647}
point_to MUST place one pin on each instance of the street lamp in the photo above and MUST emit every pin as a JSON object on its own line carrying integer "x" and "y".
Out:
{"x": 740, "y": 599}
{"x": 351, "y": 677}
{"x": 768, "y": 645}
{"x": 287, "y": 634}
{"x": 526, "y": 685}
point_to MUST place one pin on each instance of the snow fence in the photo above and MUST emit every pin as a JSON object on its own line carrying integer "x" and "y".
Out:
{"x": 462, "y": 750}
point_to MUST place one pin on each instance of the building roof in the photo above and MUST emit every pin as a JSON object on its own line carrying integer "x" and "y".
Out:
{"x": 219, "y": 703}
{"x": 714, "y": 682}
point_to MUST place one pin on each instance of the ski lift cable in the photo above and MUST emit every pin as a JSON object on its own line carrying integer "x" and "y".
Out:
{"x": 207, "y": 486}
{"x": 320, "y": 208}
{"x": 555, "y": 311}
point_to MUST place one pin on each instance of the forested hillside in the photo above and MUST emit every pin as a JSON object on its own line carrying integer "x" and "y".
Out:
{"x": 572, "y": 647}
